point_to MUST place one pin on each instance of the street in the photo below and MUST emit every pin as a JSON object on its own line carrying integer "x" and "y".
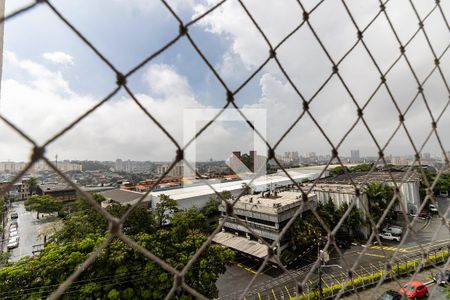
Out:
{"x": 28, "y": 231}
{"x": 275, "y": 285}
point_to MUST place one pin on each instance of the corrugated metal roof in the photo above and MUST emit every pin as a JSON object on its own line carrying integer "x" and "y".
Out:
{"x": 241, "y": 244}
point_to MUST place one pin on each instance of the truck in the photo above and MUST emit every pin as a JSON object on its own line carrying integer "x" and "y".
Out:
{"x": 390, "y": 236}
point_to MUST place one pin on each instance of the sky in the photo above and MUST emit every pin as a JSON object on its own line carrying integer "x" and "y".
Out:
{"x": 50, "y": 77}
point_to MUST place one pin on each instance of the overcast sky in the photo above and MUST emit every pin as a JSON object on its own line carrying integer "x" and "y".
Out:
{"x": 50, "y": 77}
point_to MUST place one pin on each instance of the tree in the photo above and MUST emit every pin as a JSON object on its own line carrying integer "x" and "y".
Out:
{"x": 83, "y": 219}
{"x": 329, "y": 213}
{"x": 4, "y": 256}
{"x": 32, "y": 183}
{"x": 43, "y": 204}
{"x": 139, "y": 220}
{"x": 361, "y": 168}
{"x": 305, "y": 230}
{"x": 352, "y": 224}
{"x": 119, "y": 272}
{"x": 164, "y": 209}
{"x": 379, "y": 195}
{"x": 212, "y": 206}
{"x": 338, "y": 170}
{"x": 187, "y": 222}
{"x": 246, "y": 189}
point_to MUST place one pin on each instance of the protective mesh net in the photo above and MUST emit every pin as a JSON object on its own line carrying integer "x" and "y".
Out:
{"x": 300, "y": 282}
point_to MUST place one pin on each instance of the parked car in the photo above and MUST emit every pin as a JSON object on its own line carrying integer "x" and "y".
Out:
{"x": 390, "y": 236}
{"x": 14, "y": 215}
{"x": 433, "y": 208}
{"x": 424, "y": 216}
{"x": 442, "y": 278}
{"x": 391, "y": 295}
{"x": 414, "y": 290}
{"x": 13, "y": 242}
{"x": 12, "y": 233}
{"x": 14, "y": 222}
{"x": 343, "y": 241}
{"x": 393, "y": 229}
{"x": 13, "y": 226}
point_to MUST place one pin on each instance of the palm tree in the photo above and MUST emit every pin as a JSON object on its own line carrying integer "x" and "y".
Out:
{"x": 379, "y": 195}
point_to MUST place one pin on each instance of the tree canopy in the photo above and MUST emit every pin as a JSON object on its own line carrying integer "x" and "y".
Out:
{"x": 119, "y": 272}
{"x": 164, "y": 209}
{"x": 379, "y": 195}
{"x": 42, "y": 204}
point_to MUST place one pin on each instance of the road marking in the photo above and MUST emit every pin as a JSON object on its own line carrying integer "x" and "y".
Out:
{"x": 274, "y": 296}
{"x": 373, "y": 254}
{"x": 387, "y": 248}
{"x": 288, "y": 291}
{"x": 434, "y": 243}
{"x": 323, "y": 280}
{"x": 245, "y": 268}
{"x": 259, "y": 296}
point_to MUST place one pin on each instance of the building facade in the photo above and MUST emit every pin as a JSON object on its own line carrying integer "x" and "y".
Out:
{"x": 266, "y": 214}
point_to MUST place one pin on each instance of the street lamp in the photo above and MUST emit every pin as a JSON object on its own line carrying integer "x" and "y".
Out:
{"x": 320, "y": 273}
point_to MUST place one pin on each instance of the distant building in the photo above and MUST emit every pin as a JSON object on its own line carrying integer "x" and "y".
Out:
{"x": 266, "y": 214}
{"x": 354, "y": 156}
{"x": 63, "y": 192}
{"x": 12, "y": 167}
{"x": 409, "y": 189}
{"x": 426, "y": 156}
{"x": 176, "y": 171}
{"x": 24, "y": 190}
{"x": 119, "y": 165}
{"x": 124, "y": 197}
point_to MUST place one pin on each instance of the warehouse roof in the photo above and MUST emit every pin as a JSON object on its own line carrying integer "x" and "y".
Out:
{"x": 122, "y": 196}
{"x": 259, "y": 184}
{"x": 361, "y": 177}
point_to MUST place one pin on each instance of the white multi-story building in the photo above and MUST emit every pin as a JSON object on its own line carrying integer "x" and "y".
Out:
{"x": 266, "y": 214}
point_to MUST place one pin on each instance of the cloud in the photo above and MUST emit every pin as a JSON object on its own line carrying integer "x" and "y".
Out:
{"x": 42, "y": 103}
{"x": 42, "y": 100}
{"x": 308, "y": 67}
{"x": 59, "y": 57}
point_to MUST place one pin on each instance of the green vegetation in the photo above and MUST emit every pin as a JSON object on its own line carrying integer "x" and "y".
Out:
{"x": 339, "y": 170}
{"x": 442, "y": 184}
{"x": 396, "y": 271}
{"x": 43, "y": 204}
{"x": 379, "y": 195}
{"x": 164, "y": 209}
{"x": 306, "y": 229}
{"x": 2, "y": 213}
{"x": 119, "y": 272}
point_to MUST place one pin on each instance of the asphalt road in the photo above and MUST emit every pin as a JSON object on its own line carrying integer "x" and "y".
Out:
{"x": 28, "y": 229}
{"x": 276, "y": 285}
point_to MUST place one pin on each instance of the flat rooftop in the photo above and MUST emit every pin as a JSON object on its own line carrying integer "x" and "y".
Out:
{"x": 383, "y": 176}
{"x": 330, "y": 188}
{"x": 55, "y": 187}
{"x": 259, "y": 184}
{"x": 273, "y": 204}
{"x": 122, "y": 196}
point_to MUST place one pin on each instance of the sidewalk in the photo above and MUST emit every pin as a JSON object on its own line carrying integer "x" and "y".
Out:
{"x": 374, "y": 293}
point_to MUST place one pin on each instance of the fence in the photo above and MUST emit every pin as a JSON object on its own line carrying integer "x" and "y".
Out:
{"x": 305, "y": 23}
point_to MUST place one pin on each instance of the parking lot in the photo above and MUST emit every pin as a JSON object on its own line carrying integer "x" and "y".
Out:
{"x": 28, "y": 231}
{"x": 436, "y": 291}
{"x": 427, "y": 232}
